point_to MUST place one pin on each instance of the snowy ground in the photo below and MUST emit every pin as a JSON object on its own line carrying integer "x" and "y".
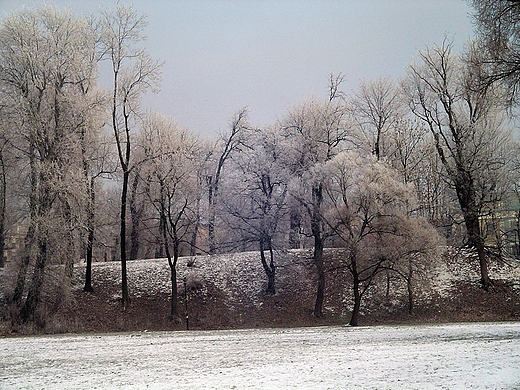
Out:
{"x": 456, "y": 356}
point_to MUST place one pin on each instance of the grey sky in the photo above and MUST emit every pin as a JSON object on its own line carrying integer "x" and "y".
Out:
{"x": 272, "y": 54}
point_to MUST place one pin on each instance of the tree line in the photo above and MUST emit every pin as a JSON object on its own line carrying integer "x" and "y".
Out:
{"x": 389, "y": 173}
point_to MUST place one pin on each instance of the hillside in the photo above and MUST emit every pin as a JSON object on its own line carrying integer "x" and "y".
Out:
{"x": 226, "y": 291}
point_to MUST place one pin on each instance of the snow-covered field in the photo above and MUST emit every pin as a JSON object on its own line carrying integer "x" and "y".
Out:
{"x": 456, "y": 356}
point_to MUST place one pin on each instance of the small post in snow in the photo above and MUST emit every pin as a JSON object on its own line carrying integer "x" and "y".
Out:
{"x": 186, "y": 304}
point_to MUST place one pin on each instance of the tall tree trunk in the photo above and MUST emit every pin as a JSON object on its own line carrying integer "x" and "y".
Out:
{"x": 70, "y": 256}
{"x": 173, "y": 277}
{"x": 135, "y": 217}
{"x": 3, "y": 190}
{"x": 467, "y": 200}
{"x": 211, "y": 219}
{"x": 172, "y": 262}
{"x": 124, "y": 281}
{"x": 31, "y": 233}
{"x": 357, "y": 294}
{"x": 90, "y": 237}
{"x": 41, "y": 237}
{"x": 476, "y": 240}
{"x": 88, "y": 269}
{"x": 467, "y": 197}
{"x": 174, "y": 312}
{"x": 35, "y": 287}
{"x": 317, "y": 193}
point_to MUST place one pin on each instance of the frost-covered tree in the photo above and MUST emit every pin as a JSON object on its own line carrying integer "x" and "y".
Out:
{"x": 498, "y": 43}
{"x": 171, "y": 168}
{"x": 133, "y": 74}
{"x": 203, "y": 173}
{"x": 467, "y": 130}
{"x": 46, "y": 63}
{"x": 226, "y": 146}
{"x": 256, "y": 196}
{"x": 376, "y": 109}
{"x": 370, "y": 214}
{"x": 314, "y": 132}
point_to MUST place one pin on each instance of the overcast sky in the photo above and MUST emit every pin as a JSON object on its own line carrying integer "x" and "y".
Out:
{"x": 220, "y": 56}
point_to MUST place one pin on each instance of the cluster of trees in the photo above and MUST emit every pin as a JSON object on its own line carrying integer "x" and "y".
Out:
{"x": 387, "y": 174}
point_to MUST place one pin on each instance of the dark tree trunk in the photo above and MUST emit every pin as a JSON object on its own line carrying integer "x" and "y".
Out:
{"x": 135, "y": 217}
{"x": 172, "y": 262}
{"x": 88, "y": 269}
{"x": 90, "y": 238}
{"x": 173, "y": 276}
{"x": 124, "y": 281}
{"x": 467, "y": 200}
{"x": 320, "y": 271}
{"x": 30, "y": 236}
{"x": 40, "y": 238}
{"x": 211, "y": 219}
{"x": 70, "y": 256}
{"x": 294, "y": 229}
{"x": 20, "y": 279}
{"x": 318, "y": 250}
{"x": 357, "y": 294}
{"x": 3, "y": 190}
{"x": 377, "y": 146}
{"x": 34, "y": 292}
{"x": 269, "y": 268}
{"x": 174, "y": 311}
{"x": 476, "y": 240}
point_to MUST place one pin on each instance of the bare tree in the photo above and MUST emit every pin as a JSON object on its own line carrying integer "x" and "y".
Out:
{"x": 467, "y": 133}
{"x": 134, "y": 72}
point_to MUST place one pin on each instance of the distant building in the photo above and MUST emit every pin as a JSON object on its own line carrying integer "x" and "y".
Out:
{"x": 14, "y": 243}
{"x": 500, "y": 228}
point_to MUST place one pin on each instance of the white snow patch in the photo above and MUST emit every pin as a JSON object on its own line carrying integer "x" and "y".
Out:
{"x": 455, "y": 356}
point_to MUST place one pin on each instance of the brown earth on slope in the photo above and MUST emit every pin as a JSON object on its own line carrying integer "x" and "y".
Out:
{"x": 227, "y": 291}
